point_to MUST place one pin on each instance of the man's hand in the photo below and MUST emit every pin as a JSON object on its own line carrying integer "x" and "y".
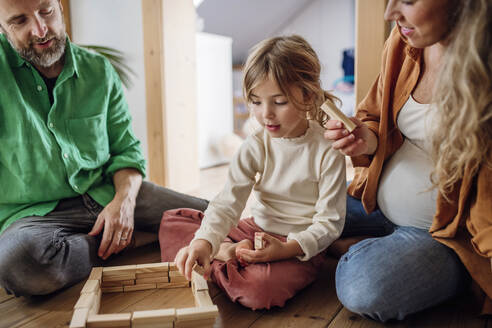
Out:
{"x": 200, "y": 251}
{"x": 117, "y": 217}
{"x": 274, "y": 250}
{"x": 117, "y": 220}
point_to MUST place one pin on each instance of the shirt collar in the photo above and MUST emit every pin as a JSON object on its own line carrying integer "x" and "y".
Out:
{"x": 15, "y": 60}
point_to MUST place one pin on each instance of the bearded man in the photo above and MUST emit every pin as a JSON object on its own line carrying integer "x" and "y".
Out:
{"x": 71, "y": 168}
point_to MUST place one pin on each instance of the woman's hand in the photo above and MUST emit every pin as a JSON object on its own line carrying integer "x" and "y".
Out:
{"x": 362, "y": 141}
{"x": 200, "y": 251}
{"x": 273, "y": 250}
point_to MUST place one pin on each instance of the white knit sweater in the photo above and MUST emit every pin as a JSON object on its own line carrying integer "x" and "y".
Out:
{"x": 299, "y": 189}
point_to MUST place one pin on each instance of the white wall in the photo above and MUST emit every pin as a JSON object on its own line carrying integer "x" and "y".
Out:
{"x": 214, "y": 96}
{"x": 329, "y": 26}
{"x": 117, "y": 24}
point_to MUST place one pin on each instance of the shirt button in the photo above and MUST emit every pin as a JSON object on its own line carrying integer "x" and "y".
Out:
{"x": 40, "y": 88}
{"x": 51, "y": 125}
{"x": 65, "y": 155}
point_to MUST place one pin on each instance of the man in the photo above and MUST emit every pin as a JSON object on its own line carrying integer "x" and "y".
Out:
{"x": 71, "y": 169}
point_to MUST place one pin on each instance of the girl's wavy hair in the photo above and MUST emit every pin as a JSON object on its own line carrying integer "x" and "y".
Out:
{"x": 290, "y": 62}
{"x": 463, "y": 95}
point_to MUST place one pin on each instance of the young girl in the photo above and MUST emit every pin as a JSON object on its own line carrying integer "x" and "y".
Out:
{"x": 298, "y": 182}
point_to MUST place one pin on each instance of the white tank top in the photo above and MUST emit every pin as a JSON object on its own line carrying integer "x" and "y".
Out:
{"x": 404, "y": 195}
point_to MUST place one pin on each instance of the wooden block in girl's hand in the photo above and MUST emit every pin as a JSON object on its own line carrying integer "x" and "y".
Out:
{"x": 329, "y": 108}
{"x": 259, "y": 242}
{"x": 198, "y": 269}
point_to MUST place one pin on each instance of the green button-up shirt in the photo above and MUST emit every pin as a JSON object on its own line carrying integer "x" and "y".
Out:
{"x": 51, "y": 152}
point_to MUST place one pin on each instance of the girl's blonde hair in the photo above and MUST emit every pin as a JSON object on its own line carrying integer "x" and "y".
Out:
{"x": 462, "y": 139}
{"x": 290, "y": 62}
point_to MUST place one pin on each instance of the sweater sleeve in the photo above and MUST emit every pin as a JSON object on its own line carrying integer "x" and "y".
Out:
{"x": 225, "y": 209}
{"x": 124, "y": 146}
{"x": 330, "y": 208}
{"x": 369, "y": 109}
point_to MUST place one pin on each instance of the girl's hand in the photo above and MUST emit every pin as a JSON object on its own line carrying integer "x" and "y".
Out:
{"x": 200, "y": 251}
{"x": 273, "y": 250}
{"x": 362, "y": 141}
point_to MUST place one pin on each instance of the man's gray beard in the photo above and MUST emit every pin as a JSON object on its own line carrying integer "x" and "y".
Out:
{"x": 48, "y": 57}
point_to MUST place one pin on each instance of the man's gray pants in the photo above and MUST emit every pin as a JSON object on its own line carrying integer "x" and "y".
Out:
{"x": 41, "y": 254}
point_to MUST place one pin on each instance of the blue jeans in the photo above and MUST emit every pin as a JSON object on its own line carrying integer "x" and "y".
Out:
{"x": 401, "y": 270}
{"x": 41, "y": 254}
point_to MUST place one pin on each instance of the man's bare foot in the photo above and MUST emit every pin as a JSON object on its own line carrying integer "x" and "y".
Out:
{"x": 227, "y": 250}
{"x": 342, "y": 245}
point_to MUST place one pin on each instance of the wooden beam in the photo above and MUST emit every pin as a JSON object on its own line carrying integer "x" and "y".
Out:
{"x": 154, "y": 89}
{"x": 66, "y": 14}
{"x": 371, "y": 30}
{"x": 169, "y": 54}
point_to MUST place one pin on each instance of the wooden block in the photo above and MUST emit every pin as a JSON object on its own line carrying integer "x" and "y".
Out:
{"x": 151, "y": 280}
{"x": 153, "y": 267}
{"x": 109, "y": 320}
{"x": 198, "y": 282}
{"x": 96, "y": 274}
{"x": 152, "y": 275}
{"x": 329, "y": 108}
{"x": 203, "y": 323}
{"x": 79, "y": 318}
{"x": 153, "y": 318}
{"x": 197, "y": 313}
{"x": 176, "y": 276}
{"x": 86, "y": 300}
{"x": 172, "y": 266}
{"x": 112, "y": 289}
{"x": 118, "y": 283}
{"x": 164, "y": 285}
{"x": 97, "y": 303}
{"x": 91, "y": 286}
{"x": 133, "y": 288}
{"x": 259, "y": 242}
{"x": 128, "y": 276}
{"x": 202, "y": 298}
{"x": 119, "y": 270}
{"x": 198, "y": 269}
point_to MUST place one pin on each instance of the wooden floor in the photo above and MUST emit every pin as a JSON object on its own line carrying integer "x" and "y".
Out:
{"x": 316, "y": 306}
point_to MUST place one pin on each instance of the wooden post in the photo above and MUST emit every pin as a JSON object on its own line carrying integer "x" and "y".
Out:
{"x": 371, "y": 31}
{"x": 66, "y": 15}
{"x": 170, "y": 82}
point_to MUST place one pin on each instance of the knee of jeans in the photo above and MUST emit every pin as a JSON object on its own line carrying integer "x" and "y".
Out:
{"x": 26, "y": 274}
{"x": 363, "y": 294}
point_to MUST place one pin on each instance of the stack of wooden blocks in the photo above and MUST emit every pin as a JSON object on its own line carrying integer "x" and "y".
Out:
{"x": 140, "y": 277}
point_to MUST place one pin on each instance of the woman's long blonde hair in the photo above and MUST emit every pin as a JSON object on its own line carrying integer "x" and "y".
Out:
{"x": 289, "y": 61}
{"x": 462, "y": 139}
